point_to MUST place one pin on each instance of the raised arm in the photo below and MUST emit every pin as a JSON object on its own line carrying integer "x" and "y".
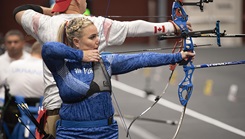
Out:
{"x": 55, "y": 53}
{"x": 18, "y": 11}
{"x": 115, "y": 32}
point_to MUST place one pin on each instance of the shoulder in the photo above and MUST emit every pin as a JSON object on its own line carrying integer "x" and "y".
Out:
{"x": 52, "y": 43}
{"x": 17, "y": 63}
{"x": 4, "y": 56}
{"x": 26, "y": 55}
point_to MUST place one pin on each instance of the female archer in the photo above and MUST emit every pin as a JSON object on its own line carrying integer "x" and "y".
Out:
{"x": 85, "y": 87}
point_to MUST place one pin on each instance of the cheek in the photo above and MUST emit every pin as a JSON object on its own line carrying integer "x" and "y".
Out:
{"x": 89, "y": 44}
{"x": 19, "y": 45}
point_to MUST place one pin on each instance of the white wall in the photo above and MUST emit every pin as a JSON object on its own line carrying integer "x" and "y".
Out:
{"x": 229, "y": 12}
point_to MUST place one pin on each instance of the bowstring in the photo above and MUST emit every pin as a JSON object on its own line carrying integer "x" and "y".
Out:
{"x": 115, "y": 100}
{"x": 165, "y": 88}
{"x": 120, "y": 114}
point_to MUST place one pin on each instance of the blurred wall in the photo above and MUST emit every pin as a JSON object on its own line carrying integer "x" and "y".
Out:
{"x": 231, "y": 13}
{"x": 7, "y": 21}
{"x": 127, "y": 8}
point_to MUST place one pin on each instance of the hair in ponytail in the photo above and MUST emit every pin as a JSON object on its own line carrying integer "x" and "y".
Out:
{"x": 72, "y": 29}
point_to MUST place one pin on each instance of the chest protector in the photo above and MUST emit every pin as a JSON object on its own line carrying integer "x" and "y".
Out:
{"x": 100, "y": 83}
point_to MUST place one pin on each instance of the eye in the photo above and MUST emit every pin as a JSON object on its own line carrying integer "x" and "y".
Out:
{"x": 93, "y": 36}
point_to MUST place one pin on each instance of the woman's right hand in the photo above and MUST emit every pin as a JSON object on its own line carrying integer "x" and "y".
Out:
{"x": 177, "y": 29}
{"x": 91, "y": 56}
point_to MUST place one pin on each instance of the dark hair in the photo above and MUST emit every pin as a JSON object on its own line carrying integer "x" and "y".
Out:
{"x": 12, "y": 33}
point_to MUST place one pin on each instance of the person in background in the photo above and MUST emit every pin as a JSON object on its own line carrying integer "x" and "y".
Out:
{"x": 38, "y": 22}
{"x": 25, "y": 79}
{"x": 14, "y": 44}
{"x": 2, "y": 49}
{"x": 85, "y": 87}
{"x": 25, "y": 76}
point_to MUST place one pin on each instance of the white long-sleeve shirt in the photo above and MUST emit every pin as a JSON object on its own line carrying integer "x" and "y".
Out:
{"x": 45, "y": 28}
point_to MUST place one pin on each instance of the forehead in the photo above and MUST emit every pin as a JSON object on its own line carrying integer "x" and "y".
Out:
{"x": 13, "y": 37}
{"x": 91, "y": 29}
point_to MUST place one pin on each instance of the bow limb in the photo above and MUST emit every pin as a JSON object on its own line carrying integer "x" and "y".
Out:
{"x": 180, "y": 18}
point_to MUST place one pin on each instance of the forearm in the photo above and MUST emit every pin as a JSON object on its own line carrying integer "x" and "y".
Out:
{"x": 126, "y": 63}
{"x": 141, "y": 28}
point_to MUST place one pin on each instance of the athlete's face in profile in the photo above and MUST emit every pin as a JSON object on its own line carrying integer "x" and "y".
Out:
{"x": 89, "y": 39}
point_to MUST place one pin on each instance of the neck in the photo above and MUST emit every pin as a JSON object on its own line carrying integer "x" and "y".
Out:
{"x": 36, "y": 56}
{"x": 73, "y": 9}
{"x": 16, "y": 56}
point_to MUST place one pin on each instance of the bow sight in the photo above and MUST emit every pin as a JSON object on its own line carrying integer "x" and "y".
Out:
{"x": 212, "y": 33}
{"x": 199, "y": 4}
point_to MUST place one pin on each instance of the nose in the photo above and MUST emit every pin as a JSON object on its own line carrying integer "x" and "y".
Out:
{"x": 97, "y": 42}
{"x": 12, "y": 45}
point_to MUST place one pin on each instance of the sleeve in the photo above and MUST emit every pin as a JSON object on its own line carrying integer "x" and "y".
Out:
{"x": 123, "y": 63}
{"x": 32, "y": 22}
{"x": 140, "y": 28}
{"x": 114, "y": 32}
{"x": 54, "y": 54}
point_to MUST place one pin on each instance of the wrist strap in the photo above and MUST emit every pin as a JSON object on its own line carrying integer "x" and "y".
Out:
{"x": 36, "y": 8}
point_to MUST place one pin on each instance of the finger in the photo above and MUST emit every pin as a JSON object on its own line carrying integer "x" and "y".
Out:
{"x": 189, "y": 28}
{"x": 95, "y": 51}
{"x": 96, "y": 57}
{"x": 192, "y": 54}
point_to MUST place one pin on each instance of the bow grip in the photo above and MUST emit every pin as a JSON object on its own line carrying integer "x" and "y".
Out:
{"x": 186, "y": 85}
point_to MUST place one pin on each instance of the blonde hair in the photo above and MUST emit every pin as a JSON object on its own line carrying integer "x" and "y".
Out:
{"x": 72, "y": 29}
{"x": 36, "y": 48}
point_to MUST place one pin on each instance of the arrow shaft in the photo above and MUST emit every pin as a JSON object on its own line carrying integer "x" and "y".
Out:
{"x": 156, "y": 49}
{"x": 226, "y": 35}
{"x": 126, "y": 16}
{"x": 219, "y": 64}
{"x": 197, "y": 35}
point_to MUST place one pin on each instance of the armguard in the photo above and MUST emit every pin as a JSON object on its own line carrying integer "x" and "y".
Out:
{"x": 27, "y": 7}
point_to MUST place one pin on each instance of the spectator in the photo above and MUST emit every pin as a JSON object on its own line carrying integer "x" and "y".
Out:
{"x": 14, "y": 43}
{"x": 25, "y": 77}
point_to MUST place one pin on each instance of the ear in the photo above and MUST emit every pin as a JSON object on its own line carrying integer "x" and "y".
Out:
{"x": 76, "y": 42}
